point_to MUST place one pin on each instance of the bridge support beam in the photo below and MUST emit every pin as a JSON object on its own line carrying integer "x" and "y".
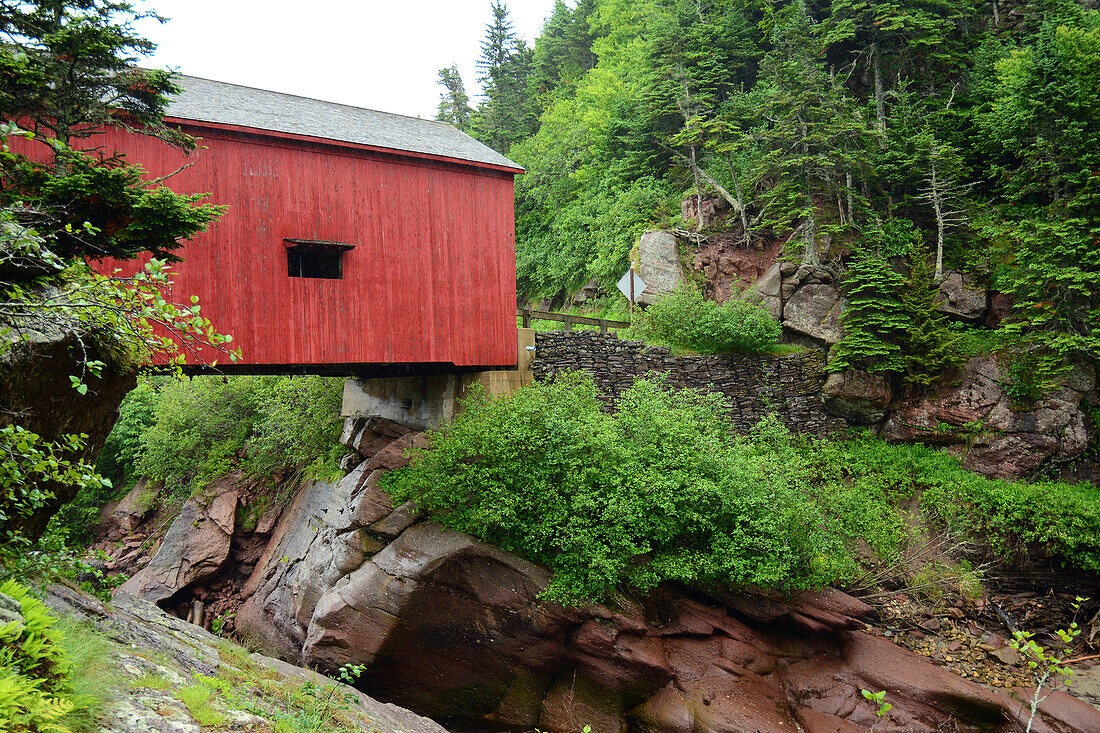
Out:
{"x": 429, "y": 401}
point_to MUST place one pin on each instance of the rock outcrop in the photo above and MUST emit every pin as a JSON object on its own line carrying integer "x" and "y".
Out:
{"x": 858, "y": 397}
{"x": 657, "y": 262}
{"x": 977, "y": 420}
{"x": 960, "y": 295}
{"x": 126, "y": 516}
{"x": 456, "y": 629}
{"x": 195, "y": 547}
{"x": 156, "y": 654}
{"x": 37, "y": 394}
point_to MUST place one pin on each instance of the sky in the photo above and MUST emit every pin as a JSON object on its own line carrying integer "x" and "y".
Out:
{"x": 379, "y": 54}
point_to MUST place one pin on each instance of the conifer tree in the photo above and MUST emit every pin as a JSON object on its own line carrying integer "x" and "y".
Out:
{"x": 69, "y": 67}
{"x": 454, "y": 105}
{"x": 928, "y": 344}
{"x": 874, "y": 319}
{"x": 813, "y": 135}
{"x": 505, "y": 64}
{"x": 887, "y": 32}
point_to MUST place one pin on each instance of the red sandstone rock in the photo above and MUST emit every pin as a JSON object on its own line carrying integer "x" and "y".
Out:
{"x": 196, "y": 546}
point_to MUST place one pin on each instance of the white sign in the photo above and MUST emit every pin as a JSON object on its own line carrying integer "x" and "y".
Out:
{"x": 624, "y": 285}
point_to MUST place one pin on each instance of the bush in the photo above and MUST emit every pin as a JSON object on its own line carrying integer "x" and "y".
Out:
{"x": 204, "y": 427}
{"x": 123, "y": 447}
{"x": 685, "y": 320}
{"x": 660, "y": 490}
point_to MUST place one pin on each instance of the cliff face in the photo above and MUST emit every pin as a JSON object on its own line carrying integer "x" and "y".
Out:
{"x": 455, "y": 629}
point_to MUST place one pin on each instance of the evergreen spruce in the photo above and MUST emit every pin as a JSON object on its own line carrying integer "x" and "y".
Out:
{"x": 454, "y": 105}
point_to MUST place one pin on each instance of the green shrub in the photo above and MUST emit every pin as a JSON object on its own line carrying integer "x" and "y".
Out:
{"x": 660, "y": 490}
{"x": 207, "y": 426}
{"x": 123, "y": 447}
{"x": 685, "y": 320}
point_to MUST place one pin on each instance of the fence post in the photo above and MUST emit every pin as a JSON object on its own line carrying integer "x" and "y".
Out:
{"x": 603, "y": 325}
{"x": 526, "y": 317}
{"x": 568, "y": 321}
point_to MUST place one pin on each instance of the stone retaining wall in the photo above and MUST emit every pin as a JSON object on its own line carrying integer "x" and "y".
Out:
{"x": 755, "y": 383}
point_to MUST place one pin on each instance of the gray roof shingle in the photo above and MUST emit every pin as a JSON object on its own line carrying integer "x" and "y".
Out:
{"x": 204, "y": 100}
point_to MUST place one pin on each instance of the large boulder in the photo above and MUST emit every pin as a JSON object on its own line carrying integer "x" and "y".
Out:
{"x": 658, "y": 264}
{"x": 961, "y": 295}
{"x": 814, "y": 310}
{"x": 195, "y": 547}
{"x": 452, "y": 627}
{"x": 857, "y": 396}
{"x": 129, "y": 513}
{"x": 767, "y": 289}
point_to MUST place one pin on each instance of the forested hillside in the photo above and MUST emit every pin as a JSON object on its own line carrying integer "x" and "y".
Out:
{"x": 948, "y": 133}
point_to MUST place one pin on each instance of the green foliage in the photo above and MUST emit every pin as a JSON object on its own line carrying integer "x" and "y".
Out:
{"x": 878, "y": 699}
{"x": 875, "y": 317}
{"x": 123, "y": 448}
{"x": 117, "y": 462}
{"x": 68, "y": 69}
{"x": 684, "y": 319}
{"x": 928, "y": 344}
{"x": 69, "y": 65}
{"x": 1027, "y": 375}
{"x": 892, "y": 324}
{"x": 507, "y": 114}
{"x": 28, "y": 463}
{"x": 208, "y": 426}
{"x": 660, "y": 490}
{"x": 894, "y": 123}
{"x": 454, "y": 104}
{"x": 96, "y": 207}
{"x": 38, "y": 690}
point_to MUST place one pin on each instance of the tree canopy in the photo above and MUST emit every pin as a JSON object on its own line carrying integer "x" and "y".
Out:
{"x": 823, "y": 124}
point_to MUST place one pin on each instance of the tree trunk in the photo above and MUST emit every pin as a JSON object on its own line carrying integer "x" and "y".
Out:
{"x": 840, "y": 204}
{"x": 937, "y": 205}
{"x": 740, "y": 201}
{"x": 880, "y": 92}
{"x": 698, "y": 192}
{"x": 848, "y": 188}
{"x": 996, "y": 14}
{"x": 809, "y": 233}
{"x": 702, "y": 173}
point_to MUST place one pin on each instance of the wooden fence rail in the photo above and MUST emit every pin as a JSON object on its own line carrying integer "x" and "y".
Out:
{"x": 528, "y": 315}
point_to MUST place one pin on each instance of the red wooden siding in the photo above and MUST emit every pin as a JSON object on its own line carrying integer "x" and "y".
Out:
{"x": 431, "y": 278}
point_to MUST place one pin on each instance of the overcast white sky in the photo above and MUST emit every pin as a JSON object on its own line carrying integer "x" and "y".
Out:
{"x": 379, "y": 54}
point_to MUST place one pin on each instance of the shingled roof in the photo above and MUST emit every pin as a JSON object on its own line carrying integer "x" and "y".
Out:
{"x": 204, "y": 100}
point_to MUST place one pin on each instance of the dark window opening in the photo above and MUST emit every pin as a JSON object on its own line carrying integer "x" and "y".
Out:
{"x": 315, "y": 258}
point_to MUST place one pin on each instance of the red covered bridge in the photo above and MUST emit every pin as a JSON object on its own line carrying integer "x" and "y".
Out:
{"x": 355, "y": 241}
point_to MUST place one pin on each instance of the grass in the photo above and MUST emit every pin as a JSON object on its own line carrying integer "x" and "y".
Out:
{"x": 199, "y": 697}
{"x": 93, "y": 677}
{"x": 151, "y": 680}
{"x": 292, "y": 705}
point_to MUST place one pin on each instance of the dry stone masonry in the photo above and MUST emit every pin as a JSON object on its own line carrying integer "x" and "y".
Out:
{"x": 756, "y": 384}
